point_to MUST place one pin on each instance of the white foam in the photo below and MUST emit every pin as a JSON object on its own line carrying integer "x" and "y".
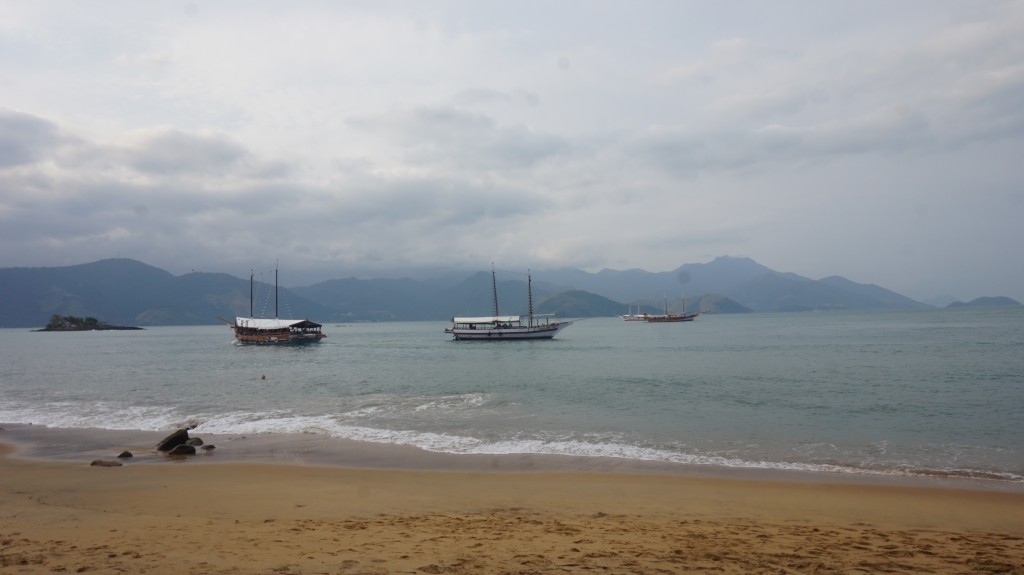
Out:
{"x": 99, "y": 415}
{"x": 104, "y": 415}
{"x": 249, "y": 423}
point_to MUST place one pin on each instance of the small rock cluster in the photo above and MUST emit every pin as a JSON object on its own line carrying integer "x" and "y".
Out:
{"x": 177, "y": 444}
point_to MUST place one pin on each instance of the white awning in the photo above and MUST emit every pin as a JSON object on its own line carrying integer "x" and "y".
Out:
{"x": 260, "y": 323}
{"x": 486, "y": 319}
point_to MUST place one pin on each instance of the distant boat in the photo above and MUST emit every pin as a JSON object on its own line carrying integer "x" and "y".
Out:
{"x": 265, "y": 331}
{"x": 634, "y": 316}
{"x": 507, "y": 327}
{"x": 672, "y": 317}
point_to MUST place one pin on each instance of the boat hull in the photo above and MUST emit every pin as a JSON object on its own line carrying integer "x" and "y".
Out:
{"x": 278, "y": 340}
{"x": 546, "y": 331}
{"x": 672, "y": 318}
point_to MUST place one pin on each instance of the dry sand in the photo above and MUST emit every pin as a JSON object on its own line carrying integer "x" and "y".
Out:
{"x": 190, "y": 517}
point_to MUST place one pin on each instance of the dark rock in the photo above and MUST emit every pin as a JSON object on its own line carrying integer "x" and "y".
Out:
{"x": 125, "y": 455}
{"x": 182, "y": 449}
{"x": 194, "y": 441}
{"x": 171, "y": 441}
{"x": 208, "y": 447}
{"x": 101, "y": 463}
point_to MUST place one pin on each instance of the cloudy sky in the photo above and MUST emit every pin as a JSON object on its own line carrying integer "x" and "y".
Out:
{"x": 878, "y": 140}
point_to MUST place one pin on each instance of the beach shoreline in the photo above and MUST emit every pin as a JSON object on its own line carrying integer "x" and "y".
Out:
{"x": 318, "y": 450}
{"x": 60, "y": 515}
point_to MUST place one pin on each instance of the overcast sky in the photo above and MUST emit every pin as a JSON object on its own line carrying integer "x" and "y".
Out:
{"x": 878, "y": 140}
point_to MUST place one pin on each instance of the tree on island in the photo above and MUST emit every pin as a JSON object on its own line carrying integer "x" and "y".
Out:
{"x": 72, "y": 323}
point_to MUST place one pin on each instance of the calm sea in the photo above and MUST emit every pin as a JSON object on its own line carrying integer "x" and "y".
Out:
{"x": 935, "y": 393}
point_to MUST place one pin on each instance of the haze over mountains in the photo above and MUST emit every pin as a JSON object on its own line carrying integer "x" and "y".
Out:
{"x": 129, "y": 292}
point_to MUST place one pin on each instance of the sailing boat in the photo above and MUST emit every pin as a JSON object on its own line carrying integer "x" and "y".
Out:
{"x": 634, "y": 316}
{"x": 499, "y": 327}
{"x": 276, "y": 331}
{"x": 673, "y": 317}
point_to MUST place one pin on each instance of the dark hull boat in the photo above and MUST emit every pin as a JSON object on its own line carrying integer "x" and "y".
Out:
{"x": 265, "y": 331}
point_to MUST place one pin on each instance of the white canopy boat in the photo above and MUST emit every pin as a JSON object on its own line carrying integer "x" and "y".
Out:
{"x": 274, "y": 331}
{"x": 507, "y": 327}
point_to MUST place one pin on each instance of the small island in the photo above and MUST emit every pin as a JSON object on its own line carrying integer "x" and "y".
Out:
{"x": 72, "y": 323}
{"x": 1000, "y": 301}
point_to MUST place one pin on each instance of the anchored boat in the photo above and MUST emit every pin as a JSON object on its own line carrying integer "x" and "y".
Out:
{"x": 276, "y": 331}
{"x": 672, "y": 317}
{"x": 507, "y": 327}
{"x": 634, "y": 316}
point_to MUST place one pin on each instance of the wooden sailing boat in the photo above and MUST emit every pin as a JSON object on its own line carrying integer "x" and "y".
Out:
{"x": 276, "y": 331}
{"x": 673, "y": 317}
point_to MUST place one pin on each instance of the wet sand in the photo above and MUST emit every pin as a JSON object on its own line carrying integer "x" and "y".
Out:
{"x": 154, "y": 514}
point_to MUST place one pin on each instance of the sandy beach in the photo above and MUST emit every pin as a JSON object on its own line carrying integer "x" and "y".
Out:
{"x": 241, "y": 517}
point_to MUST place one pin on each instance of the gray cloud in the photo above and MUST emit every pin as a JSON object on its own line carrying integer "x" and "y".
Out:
{"x": 25, "y": 139}
{"x": 455, "y": 138}
{"x": 171, "y": 151}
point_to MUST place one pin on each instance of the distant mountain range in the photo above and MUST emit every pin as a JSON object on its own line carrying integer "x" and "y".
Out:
{"x": 999, "y": 301}
{"x": 129, "y": 292}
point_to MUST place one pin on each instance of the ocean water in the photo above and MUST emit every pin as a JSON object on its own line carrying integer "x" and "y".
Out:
{"x": 924, "y": 393}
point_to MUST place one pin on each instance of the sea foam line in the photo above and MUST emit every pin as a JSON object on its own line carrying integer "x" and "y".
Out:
{"x": 463, "y": 445}
{"x": 107, "y": 416}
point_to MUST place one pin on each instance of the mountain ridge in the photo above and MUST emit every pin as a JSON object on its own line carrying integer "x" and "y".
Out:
{"x": 126, "y": 291}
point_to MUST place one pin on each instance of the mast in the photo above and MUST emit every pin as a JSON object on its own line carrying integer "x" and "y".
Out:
{"x": 494, "y": 288}
{"x": 250, "y": 293}
{"x": 275, "y": 290}
{"x": 529, "y": 297}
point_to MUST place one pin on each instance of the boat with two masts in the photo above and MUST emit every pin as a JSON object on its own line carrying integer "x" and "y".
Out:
{"x": 672, "y": 317}
{"x": 499, "y": 327}
{"x": 274, "y": 331}
{"x": 629, "y": 316}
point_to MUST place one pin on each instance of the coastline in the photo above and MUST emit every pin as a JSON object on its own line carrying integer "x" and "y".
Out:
{"x": 296, "y": 516}
{"x": 317, "y": 450}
